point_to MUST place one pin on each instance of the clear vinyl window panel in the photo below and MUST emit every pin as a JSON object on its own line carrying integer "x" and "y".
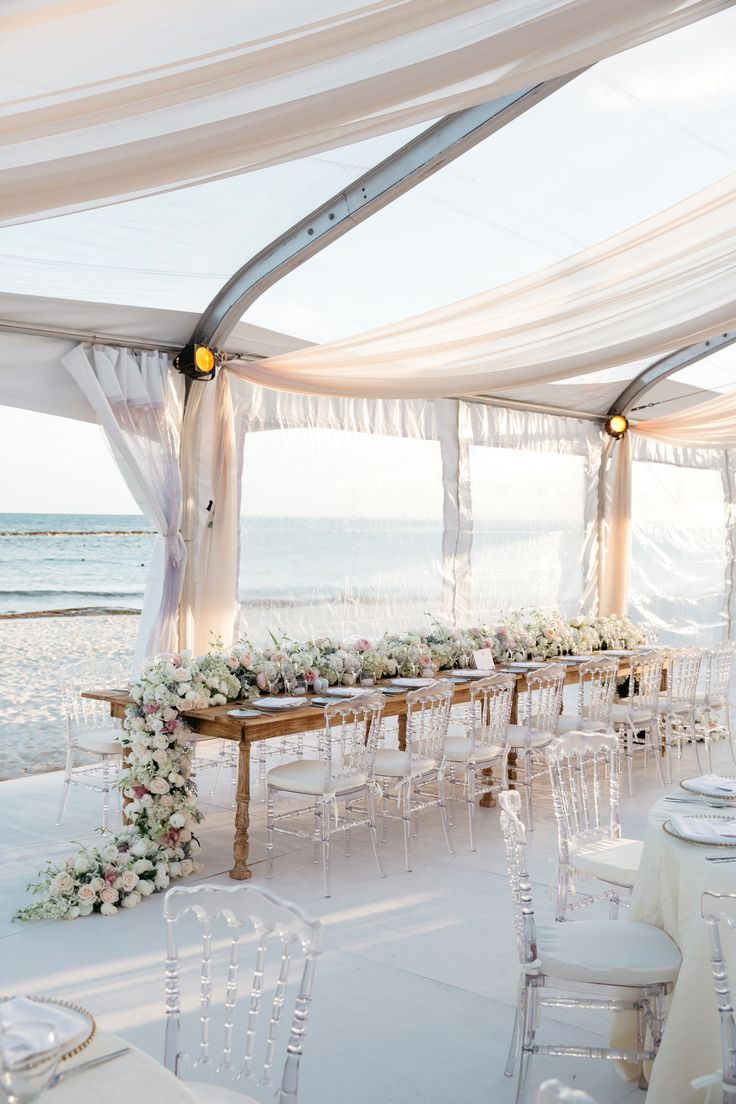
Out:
{"x": 528, "y": 530}
{"x": 341, "y": 533}
{"x": 678, "y": 565}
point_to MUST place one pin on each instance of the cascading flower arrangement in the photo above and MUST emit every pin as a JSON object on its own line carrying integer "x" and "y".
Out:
{"x": 159, "y": 842}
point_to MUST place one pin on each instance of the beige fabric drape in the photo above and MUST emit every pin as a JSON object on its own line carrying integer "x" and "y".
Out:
{"x": 656, "y": 287}
{"x": 710, "y": 424}
{"x": 103, "y": 101}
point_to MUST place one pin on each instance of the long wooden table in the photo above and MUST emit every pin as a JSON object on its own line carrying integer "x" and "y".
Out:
{"x": 245, "y": 731}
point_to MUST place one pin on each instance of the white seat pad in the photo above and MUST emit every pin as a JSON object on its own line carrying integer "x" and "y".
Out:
{"x": 621, "y": 713}
{"x": 391, "y": 763}
{"x": 217, "y": 1094}
{"x": 614, "y": 860}
{"x": 574, "y": 724}
{"x": 457, "y": 750}
{"x": 609, "y": 952}
{"x": 457, "y": 728}
{"x": 307, "y": 776}
{"x": 101, "y": 741}
{"x": 517, "y": 737}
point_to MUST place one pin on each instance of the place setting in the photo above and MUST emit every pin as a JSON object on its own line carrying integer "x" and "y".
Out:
{"x": 706, "y": 829}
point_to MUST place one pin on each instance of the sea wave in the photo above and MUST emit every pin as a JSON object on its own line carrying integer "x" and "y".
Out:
{"x": 77, "y": 533}
{"x": 51, "y": 593}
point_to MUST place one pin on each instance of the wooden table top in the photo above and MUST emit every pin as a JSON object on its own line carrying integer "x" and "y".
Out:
{"x": 217, "y": 722}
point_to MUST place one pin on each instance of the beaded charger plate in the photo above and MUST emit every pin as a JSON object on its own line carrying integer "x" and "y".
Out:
{"x": 88, "y": 1018}
{"x": 667, "y": 826}
{"x": 716, "y": 795}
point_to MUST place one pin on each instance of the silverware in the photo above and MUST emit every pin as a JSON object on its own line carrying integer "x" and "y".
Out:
{"x": 86, "y": 1065}
{"x": 720, "y": 858}
{"x": 700, "y": 801}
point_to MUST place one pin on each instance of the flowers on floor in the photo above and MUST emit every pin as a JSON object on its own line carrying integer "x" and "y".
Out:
{"x": 159, "y": 843}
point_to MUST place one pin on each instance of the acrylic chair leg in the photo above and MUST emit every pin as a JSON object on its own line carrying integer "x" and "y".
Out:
{"x": 405, "y": 795}
{"x": 515, "y": 1035}
{"x": 105, "y": 794}
{"x": 630, "y": 761}
{"x": 527, "y": 1040}
{"x": 374, "y": 833}
{"x": 696, "y": 745}
{"x": 563, "y": 884}
{"x": 528, "y": 791}
{"x": 67, "y": 783}
{"x": 471, "y": 806}
{"x": 326, "y": 850}
{"x": 641, "y": 1034}
{"x": 384, "y": 799}
{"x": 317, "y": 834}
{"x": 613, "y": 908}
{"x": 270, "y": 812}
{"x": 443, "y": 810}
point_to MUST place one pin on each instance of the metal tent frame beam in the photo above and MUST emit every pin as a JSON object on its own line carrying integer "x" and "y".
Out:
{"x": 667, "y": 366}
{"x": 393, "y": 177}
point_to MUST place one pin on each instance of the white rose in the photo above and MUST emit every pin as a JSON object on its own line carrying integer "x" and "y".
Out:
{"x": 194, "y": 847}
{"x": 139, "y": 849}
{"x": 109, "y": 894}
{"x": 108, "y": 909}
{"x": 146, "y": 801}
{"x": 85, "y": 910}
{"x": 62, "y": 883}
{"x": 178, "y": 820}
{"x": 142, "y": 865}
{"x": 175, "y": 869}
{"x": 176, "y": 779}
{"x": 187, "y": 867}
{"x": 71, "y": 913}
{"x": 86, "y": 895}
{"x": 97, "y": 884}
{"x": 145, "y": 888}
{"x": 162, "y": 877}
{"x": 160, "y": 741}
{"x": 185, "y": 836}
{"x": 138, "y": 724}
{"x": 133, "y": 808}
{"x": 109, "y": 853}
{"x": 129, "y": 881}
{"x": 159, "y": 785}
{"x": 166, "y": 801}
{"x": 131, "y": 900}
{"x": 82, "y": 864}
{"x": 169, "y": 714}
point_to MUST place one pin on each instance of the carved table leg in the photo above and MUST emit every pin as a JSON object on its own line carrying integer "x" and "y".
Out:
{"x": 241, "y": 871}
{"x": 402, "y": 731}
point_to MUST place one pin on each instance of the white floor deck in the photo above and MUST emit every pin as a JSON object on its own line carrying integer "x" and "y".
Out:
{"x": 414, "y": 994}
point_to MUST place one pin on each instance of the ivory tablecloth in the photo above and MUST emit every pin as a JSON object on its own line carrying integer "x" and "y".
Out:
{"x": 134, "y": 1077}
{"x": 672, "y": 876}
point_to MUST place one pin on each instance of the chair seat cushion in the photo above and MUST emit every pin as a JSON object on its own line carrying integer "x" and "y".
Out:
{"x": 575, "y": 724}
{"x": 623, "y": 713}
{"x": 613, "y": 860}
{"x": 609, "y": 952}
{"x": 101, "y": 741}
{"x": 457, "y": 728}
{"x": 458, "y": 749}
{"x": 517, "y": 735}
{"x": 307, "y": 776}
{"x": 217, "y": 1094}
{"x": 392, "y": 763}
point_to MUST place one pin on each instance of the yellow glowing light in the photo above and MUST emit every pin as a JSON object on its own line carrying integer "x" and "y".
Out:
{"x": 617, "y": 425}
{"x": 204, "y": 359}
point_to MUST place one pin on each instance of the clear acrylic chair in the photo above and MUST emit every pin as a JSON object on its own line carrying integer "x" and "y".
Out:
{"x": 719, "y": 912}
{"x": 480, "y": 743}
{"x": 591, "y": 964}
{"x": 677, "y": 705}
{"x": 91, "y": 733}
{"x": 539, "y": 717}
{"x": 418, "y": 772}
{"x": 713, "y": 719}
{"x": 343, "y": 775}
{"x": 583, "y": 770}
{"x": 638, "y": 711}
{"x": 554, "y": 1092}
{"x": 596, "y": 695}
{"x": 251, "y": 1042}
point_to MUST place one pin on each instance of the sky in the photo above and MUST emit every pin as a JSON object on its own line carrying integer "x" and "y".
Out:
{"x": 630, "y": 137}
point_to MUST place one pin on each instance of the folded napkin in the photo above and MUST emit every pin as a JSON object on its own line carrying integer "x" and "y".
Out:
{"x": 718, "y": 785}
{"x": 70, "y": 1027}
{"x": 705, "y": 829}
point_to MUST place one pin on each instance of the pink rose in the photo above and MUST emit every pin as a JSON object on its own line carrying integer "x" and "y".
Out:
{"x": 362, "y": 645}
{"x": 111, "y": 876}
{"x": 139, "y": 791}
{"x": 150, "y": 709}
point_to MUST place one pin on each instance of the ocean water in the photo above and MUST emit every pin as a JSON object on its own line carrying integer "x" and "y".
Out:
{"x": 301, "y": 574}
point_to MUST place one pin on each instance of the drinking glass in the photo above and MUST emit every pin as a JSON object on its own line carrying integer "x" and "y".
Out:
{"x": 29, "y": 1055}
{"x": 288, "y": 675}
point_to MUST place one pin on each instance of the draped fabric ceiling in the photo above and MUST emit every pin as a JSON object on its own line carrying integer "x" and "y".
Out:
{"x": 214, "y": 95}
{"x": 211, "y": 92}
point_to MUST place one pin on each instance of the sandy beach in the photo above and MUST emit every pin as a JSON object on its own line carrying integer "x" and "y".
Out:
{"x": 32, "y": 649}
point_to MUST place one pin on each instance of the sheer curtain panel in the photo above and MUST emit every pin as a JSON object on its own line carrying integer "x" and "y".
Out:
{"x": 138, "y": 403}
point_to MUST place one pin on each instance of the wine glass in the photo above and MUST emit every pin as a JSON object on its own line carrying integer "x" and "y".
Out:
{"x": 29, "y": 1055}
{"x": 288, "y": 675}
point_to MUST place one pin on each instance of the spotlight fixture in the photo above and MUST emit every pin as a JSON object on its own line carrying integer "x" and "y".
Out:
{"x": 617, "y": 425}
{"x": 197, "y": 362}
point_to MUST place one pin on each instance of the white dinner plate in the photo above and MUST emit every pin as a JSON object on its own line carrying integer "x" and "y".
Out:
{"x": 709, "y": 787}
{"x": 469, "y": 673}
{"x": 277, "y": 705}
{"x": 242, "y": 712}
{"x": 706, "y": 830}
{"x": 343, "y": 691}
{"x": 415, "y": 683}
{"x": 621, "y": 653}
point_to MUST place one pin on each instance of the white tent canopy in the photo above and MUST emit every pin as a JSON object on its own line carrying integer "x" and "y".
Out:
{"x": 637, "y": 134}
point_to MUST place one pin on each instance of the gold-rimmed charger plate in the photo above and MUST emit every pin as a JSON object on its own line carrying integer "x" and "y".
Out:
{"x": 707, "y": 793}
{"x": 71, "y": 1007}
{"x": 667, "y": 826}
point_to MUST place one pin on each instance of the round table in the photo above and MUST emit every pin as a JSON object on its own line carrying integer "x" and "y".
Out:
{"x": 134, "y": 1076}
{"x": 672, "y": 876}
